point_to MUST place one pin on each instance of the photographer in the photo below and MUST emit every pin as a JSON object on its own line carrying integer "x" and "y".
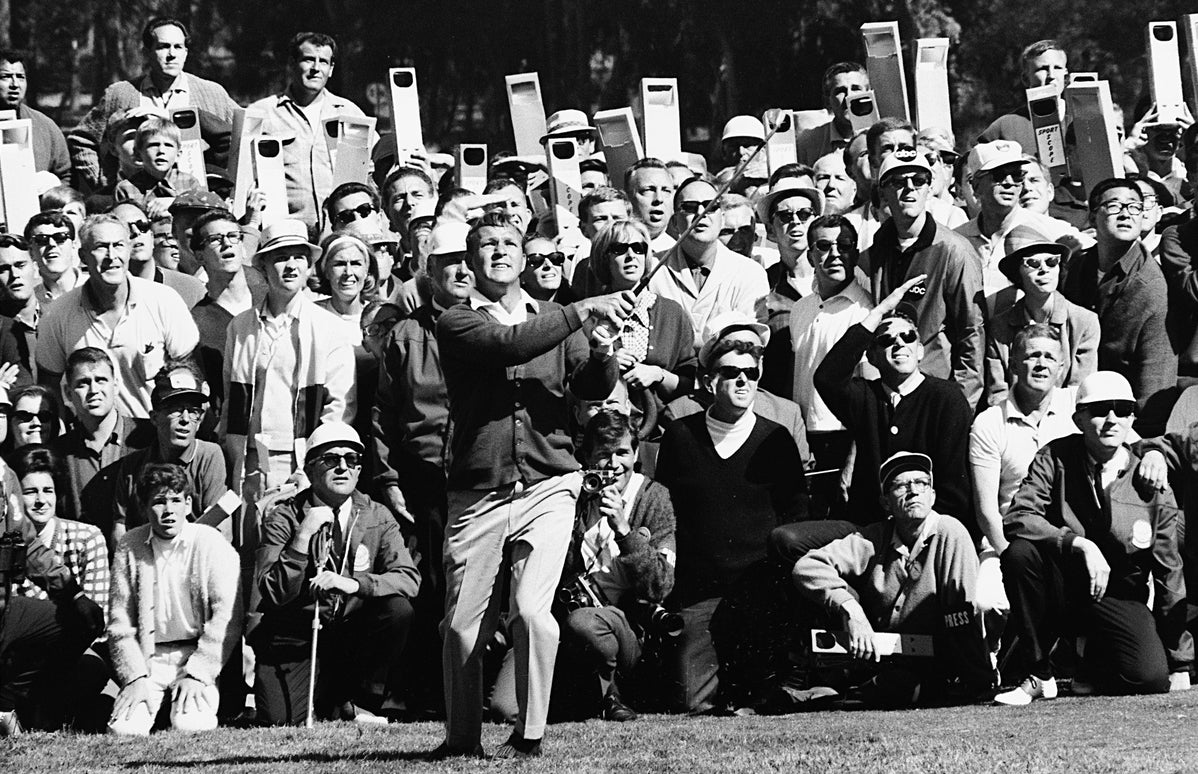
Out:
{"x": 36, "y": 637}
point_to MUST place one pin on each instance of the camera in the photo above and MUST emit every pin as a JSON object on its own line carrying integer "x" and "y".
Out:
{"x": 594, "y": 481}
{"x": 581, "y": 592}
{"x": 656, "y": 620}
{"x": 12, "y": 557}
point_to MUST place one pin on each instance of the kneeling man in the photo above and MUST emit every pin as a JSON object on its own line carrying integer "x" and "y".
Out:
{"x": 176, "y": 610}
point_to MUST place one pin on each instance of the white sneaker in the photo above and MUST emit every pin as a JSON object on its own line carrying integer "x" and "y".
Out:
{"x": 1030, "y": 689}
{"x": 9, "y": 724}
{"x": 1179, "y": 681}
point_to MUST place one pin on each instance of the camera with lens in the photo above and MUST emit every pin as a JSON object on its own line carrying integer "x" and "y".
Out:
{"x": 581, "y": 592}
{"x": 12, "y": 557}
{"x": 594, "y": 481}
{"x": 655, "y": 619}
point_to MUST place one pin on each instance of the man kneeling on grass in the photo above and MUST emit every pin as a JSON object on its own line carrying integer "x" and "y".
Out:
{"x": 176, "y": 610}
{"x": 914, "y": 573}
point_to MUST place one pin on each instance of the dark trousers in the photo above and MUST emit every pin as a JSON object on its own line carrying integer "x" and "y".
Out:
{"x": 790, "y": 542}
{"x": 39, "y": 642}
{"x": 696, "y": 664}
{"x": 604, "y": 642}
{"x": 423, "y": 487}
{"x": 355, "y": 656}
{"x": 1049, "y": 596}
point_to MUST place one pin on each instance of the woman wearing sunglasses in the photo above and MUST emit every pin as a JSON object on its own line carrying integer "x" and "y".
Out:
{"x": 34, "y": 417}
{"x": 1033, "y": 264}
{"x": 656, "y": 346}
{"x": 543, "y": 277}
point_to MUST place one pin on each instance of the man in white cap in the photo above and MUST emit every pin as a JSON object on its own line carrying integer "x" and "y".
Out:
{"x": 139, "y": 322}
{"x": 996, "y": 171}
{"x": 947, "y": 306}
{"x": 1087, "y": 548}
{"x": 508, "y": 361}
{"x": 701, "y": 273}
{"x": 287, "y": 370}
{"x": 410, "y": 422}
{"x": 571, "y": 124}
{"x": 742, "y": 135}
{"x": 791, "y": 204}
{"x": 332, "y": 546}
{"x": 913, "y": 573}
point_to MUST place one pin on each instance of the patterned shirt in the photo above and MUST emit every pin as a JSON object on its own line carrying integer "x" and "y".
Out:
{"x": 81, "y": 548}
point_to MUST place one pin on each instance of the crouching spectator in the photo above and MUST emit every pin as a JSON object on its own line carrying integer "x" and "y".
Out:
{"x": 1087, "y": 551}
{"x": 913, "y": 573}
{"x": 176, "y": 610}
{"x": 333, "y": 544}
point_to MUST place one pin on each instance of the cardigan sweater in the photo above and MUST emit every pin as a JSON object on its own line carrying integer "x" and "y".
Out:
{"x": 215, "y": 593}
{"x": 323, "y": 386}
{"x": 726, "y": 508}
{"x": 933, "y": 419}
{"x": 1131, "y": 302}
{"x": 507, "y": 393}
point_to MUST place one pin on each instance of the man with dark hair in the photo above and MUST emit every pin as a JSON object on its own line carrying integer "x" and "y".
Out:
{"x": 53, "y": 245}
{"x": 176, "y": 610}
{"x": 1042, "y": 63}
{"x": 1120, "y": 282}
{"x": 166, "y": 87}
{"x": 300, "y": 112}
{"x": 402, "y": 189}
{"x": 841, "y": 81}
{"x": 597, "y": 209}
{"x": 332, "y": 547}
{"x": 20, "y": 309}
{"x": 49, "y": 145}
{"x": 507, "y": 362}
{"x": 351, "y": 202}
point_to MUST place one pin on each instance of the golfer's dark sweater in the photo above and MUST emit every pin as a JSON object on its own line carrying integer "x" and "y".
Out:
{"x": 725, "y": 509}
{"x": 933, "y": 419}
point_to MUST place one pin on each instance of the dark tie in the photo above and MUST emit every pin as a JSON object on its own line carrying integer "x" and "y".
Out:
{"x": 1099, "y": 493}
{"x": 338, "y": 552}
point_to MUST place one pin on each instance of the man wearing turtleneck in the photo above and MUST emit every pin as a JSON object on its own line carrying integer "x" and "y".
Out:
{"x": 733, "y": 476}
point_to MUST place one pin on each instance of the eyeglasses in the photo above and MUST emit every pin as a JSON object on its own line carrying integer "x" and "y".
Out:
{"x": 794, "y": 216}
{"x": 216, "y": 240}
{"x": 620, "y": 248}
{"x": 886, "y": 340}
{"x": 1002, "y": 174}
{"x": 918, "y": 486}
{"x": 44, "y": 240}
{"x": 44, "y": 417}
{"x": 843, "y": 248}
{"x": 192, "y": 411}
{"x": 379, "y": 327}
{"x": 537, "y": 260}
{"x": 334, "y": 460}
{"x": 161, "y": 240}
{"x": 1150, "y": 201}
{"x": 345, "y": 217}
{"x": 1034, "y": 263}
{"x": 752, "y": 373}
{"x": 728, "y": 233}
{"x": 898, "y": 182}
{"x": 1116, "y": 207}
{"x": 1121, "y": 408}
{"x": 694, "y": 208}
{"x": 138, "y": 227}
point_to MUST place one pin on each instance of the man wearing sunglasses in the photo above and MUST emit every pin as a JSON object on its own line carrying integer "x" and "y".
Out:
{"x": 1120, "y": 282}
{"x": 51, "y": 237}
{"x": 1085, "y": 546}
{"x": 701, "y": 274}
{"x": 947, "y": 307}
{"x": 996, "y": 170}
{"x": 141, "y": 256}
{"x": 349, "y": 203}
{"x": 330, "y": 545}
{"x": 299, "y": 115}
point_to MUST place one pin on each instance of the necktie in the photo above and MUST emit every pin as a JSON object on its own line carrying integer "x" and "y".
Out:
{"x": 1099, "y": 491}
{"x": 338, "y": 552}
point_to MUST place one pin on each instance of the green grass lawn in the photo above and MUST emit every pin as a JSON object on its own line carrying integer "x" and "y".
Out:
{"x": 1158, "y": 734}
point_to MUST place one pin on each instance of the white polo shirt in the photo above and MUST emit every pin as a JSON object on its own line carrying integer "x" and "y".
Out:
{"x": 155, "y": 325}
{"x": 815, "y": 325}
{"x": 1003, "y": 438}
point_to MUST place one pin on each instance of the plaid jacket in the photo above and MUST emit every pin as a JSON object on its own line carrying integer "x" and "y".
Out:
{"x": 82, "y": 550}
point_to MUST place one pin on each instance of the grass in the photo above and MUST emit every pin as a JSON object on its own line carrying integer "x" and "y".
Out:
{"x": 1154, "y": 734}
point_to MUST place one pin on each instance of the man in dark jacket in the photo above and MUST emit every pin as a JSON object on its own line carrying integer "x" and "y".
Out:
{"x": 1120, "y": 282}
{"x": 330, "y": 546}
{"x": 1083, "y": 547}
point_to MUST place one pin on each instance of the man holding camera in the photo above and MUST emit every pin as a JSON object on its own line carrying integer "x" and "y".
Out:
{"x": 623, "y": 549}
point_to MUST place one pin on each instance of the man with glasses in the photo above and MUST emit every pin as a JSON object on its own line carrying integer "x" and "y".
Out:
{"x": 739, "y": 232}
{"x": 140, "y": 323}
{"x": 300, "y": 113}
{"x": 332, "y": 547}
{"x": 350, "y": 203}
{"x": 1088, "y": 550}
{"x": 913, "y": 573}
{"x": 817, "y": 322}
{"x": 21, "y": 311}
{"x": 947, "y": 306}
{"x": 179, "y": 396}
{"x": 701, "y": 274}
{"x": 141, "y": 255}
{"x": 996, "y": 171}
{"x": 1120, "y": 282}
{"x": 51, "y": 237}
